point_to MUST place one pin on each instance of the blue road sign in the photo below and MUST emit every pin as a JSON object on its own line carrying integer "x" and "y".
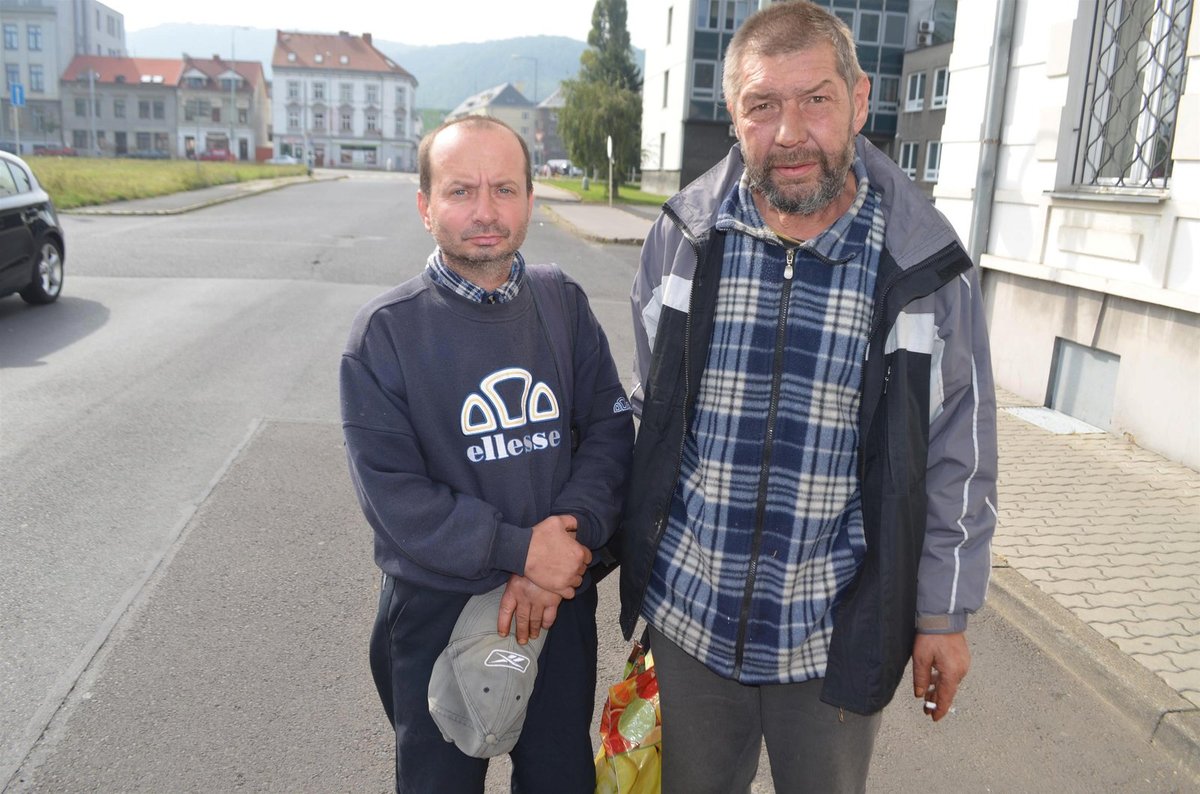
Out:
{"x": 16, "y": 93}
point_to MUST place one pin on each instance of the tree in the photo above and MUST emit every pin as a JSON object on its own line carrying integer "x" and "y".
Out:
{"x": 605, "y": 98}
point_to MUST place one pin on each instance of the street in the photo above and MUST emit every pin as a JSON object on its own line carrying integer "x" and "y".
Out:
{"x": 186, "y": 583}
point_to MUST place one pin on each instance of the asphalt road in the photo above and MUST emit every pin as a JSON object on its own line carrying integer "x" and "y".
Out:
{"x": 186, "y": 585}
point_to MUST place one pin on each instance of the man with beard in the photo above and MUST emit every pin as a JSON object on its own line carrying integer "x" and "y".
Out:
{"x": 489, "y": 438}
{"x": 813, "y": 486}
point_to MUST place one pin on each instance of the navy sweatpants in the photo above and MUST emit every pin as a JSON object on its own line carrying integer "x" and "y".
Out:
{"x": 554, "y": 753}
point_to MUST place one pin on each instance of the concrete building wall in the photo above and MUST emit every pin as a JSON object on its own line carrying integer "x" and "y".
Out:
{"x": 667, "y": 59}
{"x": 1111, "y": 270}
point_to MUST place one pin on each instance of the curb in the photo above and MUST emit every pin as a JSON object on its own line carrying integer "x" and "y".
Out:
{"x": 233, "y": 196}
{"x": 1161, "y": 715}
{"x": 585, "y": 234}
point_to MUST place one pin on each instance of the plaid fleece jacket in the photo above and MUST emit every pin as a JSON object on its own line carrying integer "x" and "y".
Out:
{"x": 765, "y": 529}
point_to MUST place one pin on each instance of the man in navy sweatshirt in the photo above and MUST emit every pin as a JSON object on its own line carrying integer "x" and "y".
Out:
{"x": 489, "y": 440}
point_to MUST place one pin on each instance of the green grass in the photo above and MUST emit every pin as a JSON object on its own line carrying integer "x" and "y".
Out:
{"x": 598, "y": 191}
{"x": 84, "y": 181}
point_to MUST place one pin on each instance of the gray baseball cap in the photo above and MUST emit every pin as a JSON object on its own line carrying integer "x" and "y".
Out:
{"x": 482, "y": 682}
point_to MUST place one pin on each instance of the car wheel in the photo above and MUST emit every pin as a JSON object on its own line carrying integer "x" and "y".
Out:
{"x": 47, "y": 276}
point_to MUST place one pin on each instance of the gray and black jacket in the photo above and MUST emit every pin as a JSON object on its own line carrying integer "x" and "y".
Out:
{"x": 927, "y": 435}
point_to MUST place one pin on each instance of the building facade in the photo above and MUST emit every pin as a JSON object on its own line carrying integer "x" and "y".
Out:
{"x": 685, "y": 125}
{"x": 39, "y": 40}
{"x": 121, "y": 107}
{"x": 926, "y": 90}
{"x": 341, "y": 101}
{"x": 223, "y": 107}
{"x": 506, "y": 103}
{"x": 1083, "y": 209}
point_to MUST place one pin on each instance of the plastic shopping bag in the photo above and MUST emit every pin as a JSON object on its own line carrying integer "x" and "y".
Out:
{"x": 631, "y": 731}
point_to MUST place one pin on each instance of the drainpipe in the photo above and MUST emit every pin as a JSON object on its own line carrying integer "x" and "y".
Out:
{"x": 993, "y": 119}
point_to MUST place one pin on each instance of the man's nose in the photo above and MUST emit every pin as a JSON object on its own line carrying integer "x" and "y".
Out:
{"x": 793, "y": 127}
{"x": 485, "y": 207}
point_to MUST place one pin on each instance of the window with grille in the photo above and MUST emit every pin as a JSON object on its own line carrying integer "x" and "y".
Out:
{"x": 1136, "y": 72}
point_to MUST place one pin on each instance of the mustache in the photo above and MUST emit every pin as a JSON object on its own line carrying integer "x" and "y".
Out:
{"x": 487, "y": 230}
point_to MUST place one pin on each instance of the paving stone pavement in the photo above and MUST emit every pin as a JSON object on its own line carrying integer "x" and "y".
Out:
{"x": 1112, "y": 532}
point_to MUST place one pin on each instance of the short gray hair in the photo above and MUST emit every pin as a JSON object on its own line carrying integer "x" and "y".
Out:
{"x": 785, "y": 28}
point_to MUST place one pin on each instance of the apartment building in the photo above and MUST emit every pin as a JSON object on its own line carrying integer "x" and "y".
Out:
{"x": 39, "y": 38}
{"x": 117, "y": 107}
{"x": 341, "y": 101}
{"x": 1082, "y": 205}
{"x": 224, "y": 107}
{"x": 506, "y": 103}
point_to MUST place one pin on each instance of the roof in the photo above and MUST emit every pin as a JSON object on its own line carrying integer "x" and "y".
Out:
{"x": 503, "y": 95}
{"x": 328, "y": 52}
{"x": 555, "y": 101}
{"x": 110, "y": 69}
{"x": 217, "y": 67}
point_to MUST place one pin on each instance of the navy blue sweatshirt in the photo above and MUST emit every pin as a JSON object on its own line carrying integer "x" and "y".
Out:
{"x": 458, "y": 430}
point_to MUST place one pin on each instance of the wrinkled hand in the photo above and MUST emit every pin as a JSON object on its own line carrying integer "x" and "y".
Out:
{"x": 556, "y": 561}
{"x": 535, "y": 608}
{"x": 940, "y": 663}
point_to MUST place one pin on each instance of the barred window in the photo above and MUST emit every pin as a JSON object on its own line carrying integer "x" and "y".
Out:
{"x": 1136, "y": 72}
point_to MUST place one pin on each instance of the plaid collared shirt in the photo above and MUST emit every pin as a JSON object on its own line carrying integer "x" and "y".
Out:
{"x": 444, "y": 276}
{"x": 765, "y": 527}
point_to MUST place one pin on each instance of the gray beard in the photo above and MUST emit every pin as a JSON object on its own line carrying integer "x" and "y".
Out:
{"x": 829, "y": 187}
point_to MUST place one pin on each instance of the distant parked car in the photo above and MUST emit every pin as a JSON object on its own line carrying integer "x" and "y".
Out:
{"x": 223, "y": 155}
{"x": 283, "y": 159}
{"x": 54, "y": 151}
{"x": 31, "y": 241}
{"x": 149, "y": 154}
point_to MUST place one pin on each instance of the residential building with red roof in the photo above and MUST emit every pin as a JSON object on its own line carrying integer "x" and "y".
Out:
{"x": 341, "y": 102}
{"x": 115, "y": 106}
{"x": 224, "y": 107}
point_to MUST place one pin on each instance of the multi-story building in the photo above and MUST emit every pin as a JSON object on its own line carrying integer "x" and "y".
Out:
{"x": 39, "y": 39}
{"x": 685, "y": 124}
{"x": 342, "y": 102}
{"x": 506, "y": 103}
{"x": 1071, "y": 166}
{"x": 548, "y": 144}
{"x": 223, "y": 107}
{"x": 121, "y": 106}
{"x": 924, "y": 93}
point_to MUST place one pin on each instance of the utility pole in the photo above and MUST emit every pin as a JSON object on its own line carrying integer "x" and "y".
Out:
{"x": 92, "y": 111}
{"x": 233, "y": 81}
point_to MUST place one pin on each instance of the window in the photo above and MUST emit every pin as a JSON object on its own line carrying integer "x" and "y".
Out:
{"x": 401, "y": 96}
{"x": 197, "y": 109}
{"x": 195, "y": 82}
{"x": 243, "y": 115}
{"x": 1132, "y": 94}
{"x": 318, "y": 120}
{"x": 293, "y": 120}
{"x": 941, "y": 88}
{"x": 7, "y": 186}
{"x": 112, "y": 26}
{"x": 346, "y": 92}
{"x": 23, "y": 183}
{"x": 293, "y": 89}
{"x": 143, "y": 108}
{"x": 868, "y": 27}
{"x": 916, "y": 92}
{"x": 80, "y": 107}
{"x": 216, "y": 113}
{"x": 666, "y": 86}
{"x": 79, "y": 139}
{"x": 118, "y": 108}
{"x": 662, "y": 149}
{"x": 887, "y": 93}
{"x": 908, "y": 159}
{"x": 37, "y": 78}
{"x": 704, "y": 80}
{"x": 33, "y": 37}
{"x": 318, "y": 91}
{"x": 372, "y": 95}
{"x": 12, "y": 74}
{"x": 10, "y": 36}
{"x": 725, "y": 15}
{"x": 162, "y": 141}
{"x": 670, "y": 19}
{"x": 347, "y": 121}
{"x": 159, "y": 109}
{"x": 895, "y": 27}
{"x": 933, "y": 160}
{"x": 143, "y": 141}
{"x": 372, "y": 122}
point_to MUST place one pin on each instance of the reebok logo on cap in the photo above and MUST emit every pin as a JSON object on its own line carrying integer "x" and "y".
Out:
{"x": 513, "y": 661}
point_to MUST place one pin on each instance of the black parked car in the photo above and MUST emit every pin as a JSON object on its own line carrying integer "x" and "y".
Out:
{"x": 31, "y": 241}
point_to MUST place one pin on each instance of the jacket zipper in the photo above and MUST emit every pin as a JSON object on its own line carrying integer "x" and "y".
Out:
{"x": 765, "y": 470}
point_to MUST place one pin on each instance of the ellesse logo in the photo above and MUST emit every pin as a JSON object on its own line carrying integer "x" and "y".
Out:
{"x": 508, "y": 659}
{"x": 509, "y": 399}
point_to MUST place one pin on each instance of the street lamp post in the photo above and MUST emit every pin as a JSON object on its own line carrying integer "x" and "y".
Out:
{"x": 232, "y": 88}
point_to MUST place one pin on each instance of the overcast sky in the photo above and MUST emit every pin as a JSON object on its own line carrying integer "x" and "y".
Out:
{"x": 405, "y": 21}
